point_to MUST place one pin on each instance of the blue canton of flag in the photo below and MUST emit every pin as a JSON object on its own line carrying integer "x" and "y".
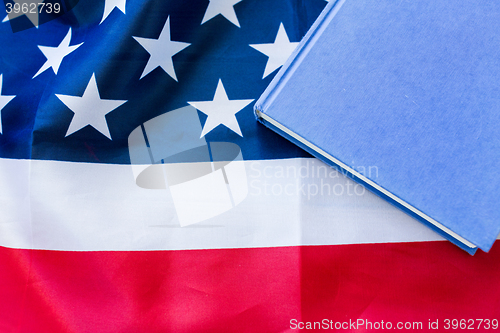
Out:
{"x": 75, "y": 87}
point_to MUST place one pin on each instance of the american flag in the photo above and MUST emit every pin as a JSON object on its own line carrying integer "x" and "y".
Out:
{"x": 84, "y": 249}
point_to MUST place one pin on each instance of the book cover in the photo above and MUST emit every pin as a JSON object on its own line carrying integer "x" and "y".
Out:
{"x": 404, "y": 96}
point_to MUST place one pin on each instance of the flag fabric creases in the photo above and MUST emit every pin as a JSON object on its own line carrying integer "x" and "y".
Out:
{"x": 84, "y": 248}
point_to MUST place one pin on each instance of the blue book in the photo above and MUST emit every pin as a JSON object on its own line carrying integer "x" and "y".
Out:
{"x": 404, "y": 96}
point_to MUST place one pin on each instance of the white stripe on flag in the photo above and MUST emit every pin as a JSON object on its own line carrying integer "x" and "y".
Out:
{"x": 98, "y": 207}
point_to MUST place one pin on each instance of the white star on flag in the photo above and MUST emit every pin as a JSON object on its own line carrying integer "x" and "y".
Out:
{"x": 221, "y": 111}
{"x": 161, "y": 50}
{"x": 31, "y": 15}
{"x": 109, "y": 5}
{"x": 4, "y": 100}
{"x": 90, "y": 109}
{"x": 224, "y": 8}
{"x": 278, "y": 52}
{"x": 55, "y": 55}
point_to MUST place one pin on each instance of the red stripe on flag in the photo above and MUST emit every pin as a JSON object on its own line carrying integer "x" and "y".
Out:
{"x": 244, "y": 290}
